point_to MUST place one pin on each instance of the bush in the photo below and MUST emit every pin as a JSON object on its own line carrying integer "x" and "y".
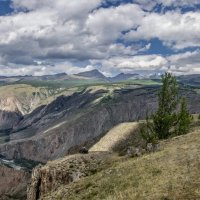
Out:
{"x": 148, "y": 133}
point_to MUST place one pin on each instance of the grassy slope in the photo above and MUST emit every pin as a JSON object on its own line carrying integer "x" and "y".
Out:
{"x": 172, "y": 173}
{"x": 114, "y": 136}
{"x": 31, "y": 97}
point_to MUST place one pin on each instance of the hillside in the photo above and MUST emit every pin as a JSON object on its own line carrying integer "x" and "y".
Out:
{"x": 19, "y": 100}
{"x": 171, "y": 173}
{"x": 193, "y": 79}
{"x": 25, "y": 98}
{"x": 70, "y": 121}
{"x": 114, "y": 136}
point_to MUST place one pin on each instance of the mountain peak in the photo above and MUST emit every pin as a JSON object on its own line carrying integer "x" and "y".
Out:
{"x": 92, "y": 74}
{"x": 122, "y": 76}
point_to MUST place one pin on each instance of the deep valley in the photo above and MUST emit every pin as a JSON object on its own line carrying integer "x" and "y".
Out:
{"x": 44, "y": 122}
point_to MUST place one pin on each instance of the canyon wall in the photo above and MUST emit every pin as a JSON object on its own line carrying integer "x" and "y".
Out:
{"x": 71, "y": 122}
{"x": 13, "y": 183}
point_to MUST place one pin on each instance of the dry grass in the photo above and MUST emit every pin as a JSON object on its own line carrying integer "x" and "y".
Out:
{"x": 170, "y": 174}
{"x": 114, "y": 136}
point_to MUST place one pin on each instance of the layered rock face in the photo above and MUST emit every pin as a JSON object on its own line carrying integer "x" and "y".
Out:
{"x": 73, "y": 121}
{"x": 18, "y": 100}
{"x": 9, "y": 119}
{"x": 10, "y": 114}
{"x": 13, "y": 183}
{"x": 64, "y": 171}
{"x": 77, "y": 121}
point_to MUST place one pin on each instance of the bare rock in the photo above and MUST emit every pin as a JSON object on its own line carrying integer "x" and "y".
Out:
{"x": 63, "y": 172}
{"x": 157, "y": 147}
{"x": 13, "y": 182}
{"x": 32, "y": 189}
{"x": 135, "y": 151}
{"x": 150, "y": 147}
{"x": 83, "y": 150}
{"x": 153, "y": 147}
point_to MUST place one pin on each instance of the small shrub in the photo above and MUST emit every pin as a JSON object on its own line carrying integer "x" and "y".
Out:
{"x": 106, "y": 99}
{"x": 147, "y": 132}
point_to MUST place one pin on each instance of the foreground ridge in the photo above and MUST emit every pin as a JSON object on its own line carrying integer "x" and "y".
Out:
{"x": 171, "y": 173}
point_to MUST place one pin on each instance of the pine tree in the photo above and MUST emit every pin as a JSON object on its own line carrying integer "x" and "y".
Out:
{"x": 184, "y": 118}
{"x": 167, "y": 121}
{"x": 165, "y": 117}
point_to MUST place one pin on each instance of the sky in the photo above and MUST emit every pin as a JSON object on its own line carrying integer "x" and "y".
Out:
{"x": 40, "y": 37}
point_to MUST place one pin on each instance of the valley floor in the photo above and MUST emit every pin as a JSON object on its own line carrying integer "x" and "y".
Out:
{"x": 169, "y": 174}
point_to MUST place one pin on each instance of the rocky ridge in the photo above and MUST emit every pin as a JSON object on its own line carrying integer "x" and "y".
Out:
{"x": 65, "y": 171}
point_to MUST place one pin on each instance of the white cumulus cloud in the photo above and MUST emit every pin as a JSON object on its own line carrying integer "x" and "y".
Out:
{"x": 50, "y": 36}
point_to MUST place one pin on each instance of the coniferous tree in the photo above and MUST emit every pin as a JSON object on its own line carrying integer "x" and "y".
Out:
{"x": 167, "y": 121}
{"x": 184, "y": 118}
{"x": 165, "y": 117}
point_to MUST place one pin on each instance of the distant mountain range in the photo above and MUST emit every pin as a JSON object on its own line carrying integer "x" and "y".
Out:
{"x": 94, "y": 76}
{"x": 192, "y": 79}
{"x": 122, "y": 77}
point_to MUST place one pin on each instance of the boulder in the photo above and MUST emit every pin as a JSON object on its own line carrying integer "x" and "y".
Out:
{"x": 83, "y": 150}
{"x": 153, "y": 147}
{"x": 135, "y": 151}
{"x": 149, "y": 147}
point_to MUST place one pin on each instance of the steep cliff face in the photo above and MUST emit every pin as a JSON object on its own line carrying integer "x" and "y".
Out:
{"x": 9, "y": 119}
{"x": 89, "y": 123}
{"x": 18, "y": 100}
{"x": 70, "y": 122}
{"x": 13, "y": 183}
{"x": 10, "y": 114}
{"x": 64, "y": 171}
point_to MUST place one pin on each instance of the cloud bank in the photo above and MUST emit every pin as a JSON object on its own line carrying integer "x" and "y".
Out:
{"x": 42, "y": 37}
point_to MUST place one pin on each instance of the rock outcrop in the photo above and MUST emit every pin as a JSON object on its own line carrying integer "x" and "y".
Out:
{"x": 63, "y": 172}
{"x": 8, "y": 120}
{"x": 13, "y": 183}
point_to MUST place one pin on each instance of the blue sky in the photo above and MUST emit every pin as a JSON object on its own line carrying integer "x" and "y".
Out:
{"x": 114, "y": 36}
{"x": 5, "y": 7}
